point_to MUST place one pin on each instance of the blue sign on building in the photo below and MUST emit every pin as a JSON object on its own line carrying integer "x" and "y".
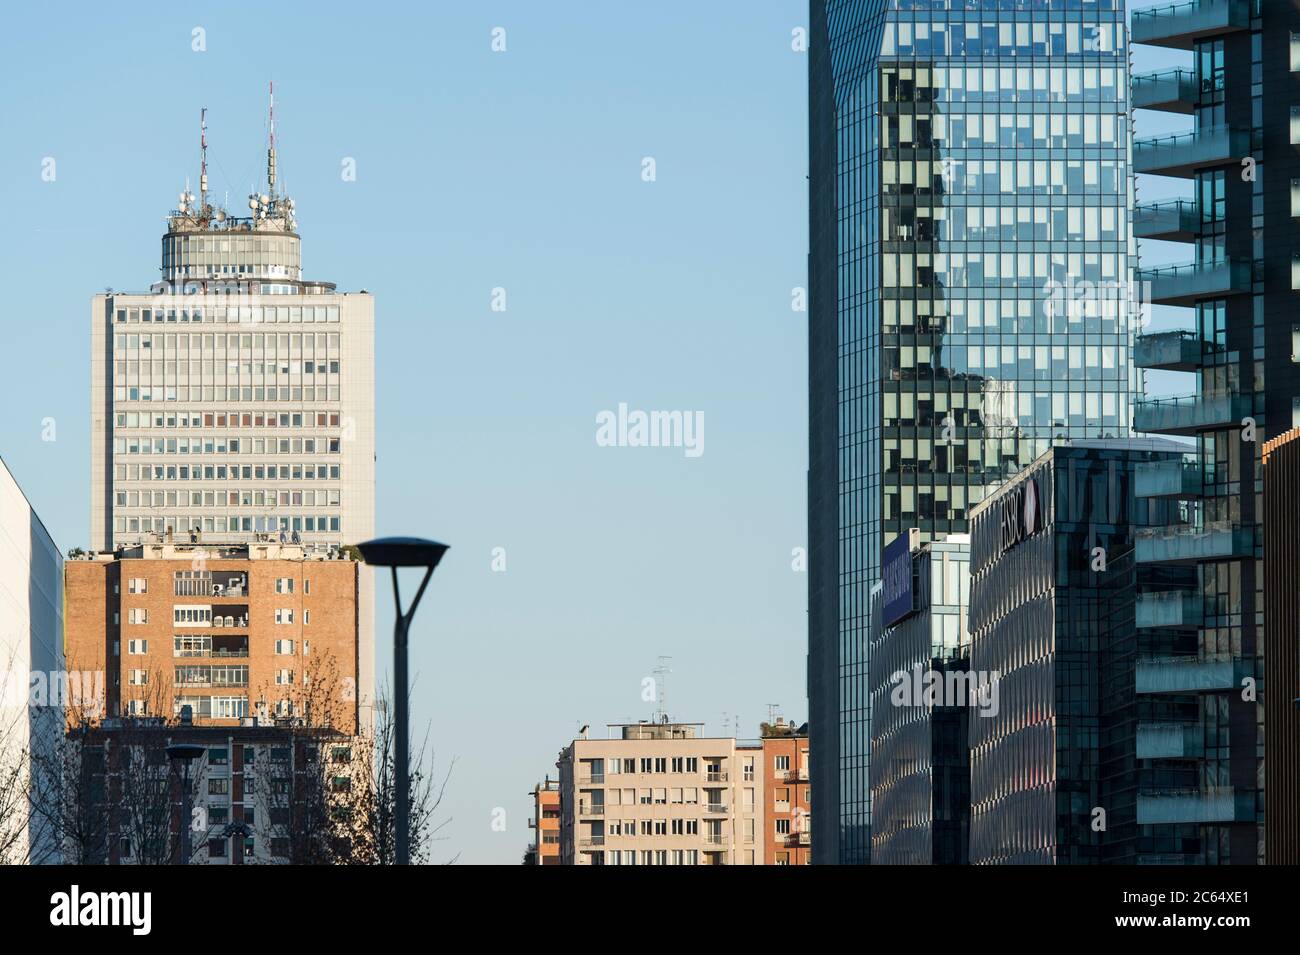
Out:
{"x": 896, "y": 580}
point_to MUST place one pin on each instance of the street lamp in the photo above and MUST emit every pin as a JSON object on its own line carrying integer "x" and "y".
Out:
{"x": 186, "y": 753}
{"x": 394, "y": 552}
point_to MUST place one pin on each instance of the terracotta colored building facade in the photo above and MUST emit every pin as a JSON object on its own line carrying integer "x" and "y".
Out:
{"x": 787, "y": 802}
{"x": 236, "y": 632}
{"x": 545, "y": 824}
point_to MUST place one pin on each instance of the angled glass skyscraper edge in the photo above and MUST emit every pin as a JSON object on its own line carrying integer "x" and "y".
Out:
{"x": 970, "y": 253}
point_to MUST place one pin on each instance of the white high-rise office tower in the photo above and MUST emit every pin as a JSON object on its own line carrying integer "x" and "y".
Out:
{"x": 235, "y": 400}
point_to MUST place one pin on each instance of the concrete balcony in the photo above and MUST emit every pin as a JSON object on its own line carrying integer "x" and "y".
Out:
{"x": 1184, "y": 284}
{"x": 1170, "y": 610}
{"x": 1181, "y": 154}
{"x": 1190, "y": 415}
{"x": 1175, "y": 806}
{"x": 1174, "y": 220}
{"x": 1176, "y": 350}
{"x": 1186, "y": 675}
{"x": 1193, "y": 543}
{"x": 1169, "y": 741}
{"x": 1176, "y": 479}
{"x": 1170, "y": 91}
{"x": 1179, "y": 25}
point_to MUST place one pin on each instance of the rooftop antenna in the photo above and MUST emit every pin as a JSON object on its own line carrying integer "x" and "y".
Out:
{"x": 771, "y": 713}
{"x": 662, "y": 671}
{"x": 270, "y": 152}
{"x": 203, "y": 159}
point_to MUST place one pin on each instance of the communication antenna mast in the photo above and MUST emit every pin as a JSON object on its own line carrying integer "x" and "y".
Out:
{"x": 270, "y": 152}
{"x": 661, "y": 673}
{"x": 771, "y": 712}
{"x": 203, "y": 159}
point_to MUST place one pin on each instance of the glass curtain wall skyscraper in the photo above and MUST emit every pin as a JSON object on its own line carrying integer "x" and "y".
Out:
{"x": 970, "y": 248}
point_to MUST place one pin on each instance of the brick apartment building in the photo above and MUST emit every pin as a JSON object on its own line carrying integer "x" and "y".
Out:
{"x": 236, "y": 632}
{"x": 787, "y": 799}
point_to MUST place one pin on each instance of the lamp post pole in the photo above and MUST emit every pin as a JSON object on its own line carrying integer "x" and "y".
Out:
{"x": 394, "y": 552}
{"x": 186, "y": 753}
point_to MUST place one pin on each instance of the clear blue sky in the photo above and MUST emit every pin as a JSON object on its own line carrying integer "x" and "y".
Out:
{"x": 476, "y": 170}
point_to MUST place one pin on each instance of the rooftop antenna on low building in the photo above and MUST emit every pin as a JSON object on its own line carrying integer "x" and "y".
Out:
{"x": 661, "y": 689}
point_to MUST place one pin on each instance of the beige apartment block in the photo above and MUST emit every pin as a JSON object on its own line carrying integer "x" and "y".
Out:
{"x": 239, "y": 633}
{"x": 661, "y": 794}
{"x": 233, "y": 400}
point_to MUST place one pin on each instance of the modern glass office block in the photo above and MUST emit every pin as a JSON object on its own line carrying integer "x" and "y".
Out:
{"x": 970, "y": 298}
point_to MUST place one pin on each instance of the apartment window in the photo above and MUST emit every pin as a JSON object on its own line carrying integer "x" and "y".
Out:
{"x": 679, "y": 827}
{"x": 747, "y": 800}
{"x": 280, "y": 846}
{"x": 137, "y": 615}
{"x": 138, "y": 707}
{"x": 138, "y": 585}
{"x": 645, "y": 827}
{"x": 218, "y": 756}
{"x": 645, "y": 797}
{"x": 629, "y": 765}
{"x": 306, "y": 617}
{"x": 137, "y": 646}
{"x": 284, "y": 585}
{"x": 1295, "y": 125}
{"x": 661, "y": 764}
{"x": 646, "y": 764}
{"x": 192, "y": 616}
{"x": 783, "y": 827}
{"x": 1295, "y": 197}
{"x": 284, "y": 615}
{"x": 692, "y": 764}
{"x": 284, "y": 647}
{"x": 216, "y": 848}
{"x": 283, "y": 677}
{"x": 783, "y": 764}
{"x": 1295, "y": 52}
{"x": 124, "y": 848}
{"x": 748, "y": 769}
{"x": 749, "y": 831}
{"x": 679, "y": 764}
{"x": 218, "y": 786}
{"x": 138, "y": 678}
{"x": 306, "y": 585}
{"x": 661, "y": 797}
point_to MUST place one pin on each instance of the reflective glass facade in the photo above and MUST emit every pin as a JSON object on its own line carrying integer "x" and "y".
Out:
{"x": 970, "y": 253}
{"x": 1064, "y": 767}
{"x": 920, "y": 765}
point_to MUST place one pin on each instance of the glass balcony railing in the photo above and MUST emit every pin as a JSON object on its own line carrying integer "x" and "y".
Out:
{"x": 1169, "y": 741}
{"x": 1170, "y": 609}
{"x": 1187, "y": 674}
{"x": 1176, "y": 478}
{"x": 1185, "y": 284}
{"x": 1174, "y": 220}
{"x": 1179, "y": 25}
{"x": 1190, "y": 415}
{"x": 1177, "y": 350}
{"x": 1171, "y": 91}
{"x": 1193, "y": 543}
{"x": 1175, "y": 806}
{"x": 1181, "y": 154}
